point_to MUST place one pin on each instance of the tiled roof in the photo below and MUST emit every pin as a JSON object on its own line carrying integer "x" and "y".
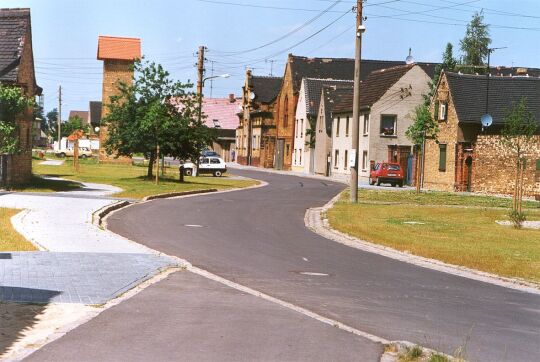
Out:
{"x": 118, "y": 48}
{"x": 374, "y": 87}
{"x": 469, "y": 96}
{"x": 82, "y": 114}
{"x": 266, "y": 89}
{"x": 333, "y": 96}
{"x": 313, "y": 88}
{"x": 222, "y": 110}
{"x": 341, "y": 68}
{"x": 95, "y": 112}
{"x": 13, "y": 27}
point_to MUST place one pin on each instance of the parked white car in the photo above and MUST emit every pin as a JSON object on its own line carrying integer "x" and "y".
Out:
{"x": 84, "y": 152}
{"x": 207, "y": 165}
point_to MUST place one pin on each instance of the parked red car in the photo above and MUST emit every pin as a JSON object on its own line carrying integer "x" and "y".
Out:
{"x": 386, "y": 172}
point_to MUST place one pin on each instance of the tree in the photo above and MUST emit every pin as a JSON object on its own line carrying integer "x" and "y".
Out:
{"x": 73, "y": 124}
{"x": 52, "y": 123}
{"x": 422, "y": 127}
{"x": 475, "y": 44}
{"x": 518, "y": 133}
{"x": 155, "y": 111}
{"x": 12, "y": 103}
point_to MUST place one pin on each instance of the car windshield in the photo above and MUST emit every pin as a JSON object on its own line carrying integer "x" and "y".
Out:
{"x": 394, "y": 167}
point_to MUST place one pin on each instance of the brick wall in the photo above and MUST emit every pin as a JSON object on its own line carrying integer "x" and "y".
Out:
{"x": 495, "y": 167}
{"x": 286, "y": 106}
{"x": 435, "y": 179}
{"x": 114, "y": 72}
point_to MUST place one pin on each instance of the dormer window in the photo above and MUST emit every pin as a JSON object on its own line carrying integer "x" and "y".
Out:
{"x": 216, "y": 123}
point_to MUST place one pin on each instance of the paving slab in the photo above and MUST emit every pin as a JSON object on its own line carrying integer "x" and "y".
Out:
{"x": 87, "y": 278}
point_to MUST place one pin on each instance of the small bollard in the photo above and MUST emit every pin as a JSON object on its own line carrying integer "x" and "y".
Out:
{"x": 181, "y": 173}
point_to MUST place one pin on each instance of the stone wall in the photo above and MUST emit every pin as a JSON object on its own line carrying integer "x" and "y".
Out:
{"x": 496, "y": 170}
{"x": 114, "y": 72}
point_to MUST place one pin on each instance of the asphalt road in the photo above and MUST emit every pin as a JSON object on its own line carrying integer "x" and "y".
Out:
{"x": 189, "y": 318}
{"x": 257, "y": 238}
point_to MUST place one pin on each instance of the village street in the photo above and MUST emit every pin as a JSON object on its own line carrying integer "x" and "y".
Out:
{"x": 257, "y": 238}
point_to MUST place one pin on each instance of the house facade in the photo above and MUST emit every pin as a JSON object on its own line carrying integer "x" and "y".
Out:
{"x": 256, "y": 132}
{"x": 221, "y": 114}
{"x": 388, "y": 98}
{"x": 331, "y": 97}
{"x": 467, "y": 157}
{"x": 17, "y": 69}
{"x": 305, "y": 120}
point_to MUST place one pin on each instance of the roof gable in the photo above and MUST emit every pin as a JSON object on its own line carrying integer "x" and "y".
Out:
{"x": 14, "y": 25}
{"x": 469, "y": 96}
{"x": 312, "y": 90}
{"x": 333, "y": 97}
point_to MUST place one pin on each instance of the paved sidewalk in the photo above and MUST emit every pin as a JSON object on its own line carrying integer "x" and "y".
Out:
{"x": 87, "y": 278}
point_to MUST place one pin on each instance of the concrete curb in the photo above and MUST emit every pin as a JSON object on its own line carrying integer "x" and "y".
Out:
{"x": 177, "y": 194}
{"x": 98, "y": 215}
{"x": 316, "y": 221}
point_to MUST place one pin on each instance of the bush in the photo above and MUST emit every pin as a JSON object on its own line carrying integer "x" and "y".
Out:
{"x": 517, "y": 218}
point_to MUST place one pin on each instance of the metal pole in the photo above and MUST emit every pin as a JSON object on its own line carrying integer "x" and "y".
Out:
{"x": 356, "y": 103}
{"x": 59, "y": 115}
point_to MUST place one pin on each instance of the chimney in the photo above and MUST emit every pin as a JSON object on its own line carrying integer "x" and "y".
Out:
{"x": 232, "y": 98}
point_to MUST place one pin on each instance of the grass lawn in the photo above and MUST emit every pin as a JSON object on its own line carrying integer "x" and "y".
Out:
{"x": 132, "y": 179}
{"x": 423, "y": 226}
{"x": 11, "y": 240}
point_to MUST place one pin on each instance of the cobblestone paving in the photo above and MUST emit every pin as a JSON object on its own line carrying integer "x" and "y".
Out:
{"x": 89, "y": 278}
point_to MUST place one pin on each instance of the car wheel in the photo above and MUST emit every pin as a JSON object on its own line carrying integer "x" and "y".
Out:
{"x": 83, "y": 156}
{"x": 378, "y": 182}
{"x": 394, "y": 184}
{"x": 188, "y": 172}
{"x": 62, "y": 154}
{"x": 371, "y": 181}
{"x": 217, "y": 173}
{"x": 400, "y": 184}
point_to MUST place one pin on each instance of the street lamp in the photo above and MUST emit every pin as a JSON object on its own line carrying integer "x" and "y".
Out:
{"x": 226, "y": 75}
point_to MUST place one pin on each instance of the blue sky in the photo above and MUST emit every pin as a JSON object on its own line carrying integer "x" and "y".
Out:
{"x": 65, "y": 35}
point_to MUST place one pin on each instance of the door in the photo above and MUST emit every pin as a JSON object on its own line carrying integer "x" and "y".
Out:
{"x": 468, "y": 163}
{"x": 280, "y": 151}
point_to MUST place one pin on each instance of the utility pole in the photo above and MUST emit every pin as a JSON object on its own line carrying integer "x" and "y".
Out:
{"x": 359, "y": 30}
{"x": 59, "y": 115}
{"x": 200, "y": 70}
{"x": 212, "y": 79}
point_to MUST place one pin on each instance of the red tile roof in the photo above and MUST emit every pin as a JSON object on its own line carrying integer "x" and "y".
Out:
{"x": 82, "y": 114}
{"x": 118, "y": 48}
{"x": 222, "y": 110}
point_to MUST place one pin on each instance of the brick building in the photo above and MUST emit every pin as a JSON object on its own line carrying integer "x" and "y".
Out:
{"x": 118, "y": 55}
{"x": 466, "y": 157}
{"x": 17, "y": 69}
{"x": 255, "y": 135}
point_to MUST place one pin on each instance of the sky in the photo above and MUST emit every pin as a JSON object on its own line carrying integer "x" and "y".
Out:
{"x": 258, "y": 34}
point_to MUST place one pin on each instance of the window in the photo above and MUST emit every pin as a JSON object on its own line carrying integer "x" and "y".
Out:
{"x": 214, "y": 160}
{"x": 254, "y": 145}
{"x": 347, "y": 128}
{"x": 336, "y": 158}
{"x": 442, "y": 157}
{"x": 388, "y": 125}
{"x": 288, "y": 149}
{"x": 216, "y": 123}
{"x": 205, "y": 160}
{"x": 300, "y": 157}
{"x": 442, "y": 111}
{"x": 296, "y": 132}
{"x": 537, "y": 170}
{"x": 301, "y": 128}
{"x": 345, "y": 163}
{"x": 286, "y": 113}
{"x": 295, "y": 156}
{"x": 364, "y": 161}
{"x": 366, "y": 124}
{"x": 337, "y": 126}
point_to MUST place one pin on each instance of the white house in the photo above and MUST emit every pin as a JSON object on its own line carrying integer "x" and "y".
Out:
{"x": 306, "y": 116}
{"x": 387, "y": 101}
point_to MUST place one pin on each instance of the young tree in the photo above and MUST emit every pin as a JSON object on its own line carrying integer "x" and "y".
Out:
{"x": 52, "y": 123}
{"x": 518, "y": 133}
{"x": 422, "y": 127}
{"x": 475, "y": 44}
{"x": 155, "y": 111}
{"x": 12, "y": 103}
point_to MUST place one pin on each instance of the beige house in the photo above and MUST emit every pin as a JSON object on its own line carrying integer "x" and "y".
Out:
{"x": 388, "y": 98}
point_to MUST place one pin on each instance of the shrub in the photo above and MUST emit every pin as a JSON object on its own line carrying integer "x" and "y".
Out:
{"x": 517, "y": 218}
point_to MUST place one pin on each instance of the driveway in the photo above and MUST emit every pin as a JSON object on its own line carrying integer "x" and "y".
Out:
{"x": 257, "y": 238}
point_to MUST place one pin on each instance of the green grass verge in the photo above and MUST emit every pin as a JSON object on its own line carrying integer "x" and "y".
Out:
{"x": 456, "y": 235}
{"x": 131, "y": 179}
{"x": 11, "y": 240}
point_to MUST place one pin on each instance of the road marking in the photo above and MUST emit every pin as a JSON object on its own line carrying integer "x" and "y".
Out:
{"x": 315, "y": 274}
{"x": 193, "y": 226}
{"x": 288, "y": 305}
{"x": 305, "y": 259}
